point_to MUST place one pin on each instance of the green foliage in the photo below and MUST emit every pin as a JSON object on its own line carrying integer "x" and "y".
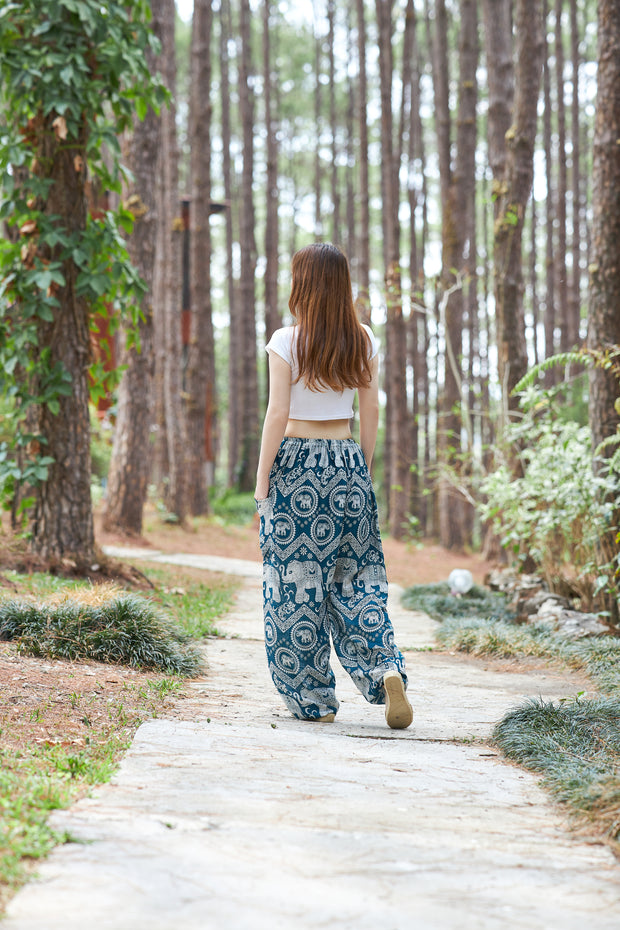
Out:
{"x": 72, "y": 73}
{"x": 125, "y": 629}
{"x": 234, "y": 507}
{"x": 436, "y": 601}
{"x": 556, "y": 512}
{"x": 100, "y": 445}
{"x": 575, "y": 745}
{"x": 196, "y": 606}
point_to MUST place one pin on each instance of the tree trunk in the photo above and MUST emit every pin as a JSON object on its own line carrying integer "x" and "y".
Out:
{"x": 458, "y": 222}
{"x": 234, "y": 338}
{"x": 534, "y": 279}
{"x": 550, "y": 314}
{"x": 318, "y": 168}
{"x": 507, "y": 253}
{"x": 249, "y": 379}
{"x": 129, "y": 468}
{"x": 176, "y": 433}
{"x": 397, "y": 454}
{"x": 200, "y": 375}
{"x": 604, "y": 308}
{"x": 560, "y": 262}
{"x": 333, "y": 122}
{"x": 273, "y": 317}
{"x": 363, "y": 266}
{"x": 500, "y": 70}
{"x": 351, "y": 150}
{"x": 574, "y": 294}
{"x": 62, "y": 527}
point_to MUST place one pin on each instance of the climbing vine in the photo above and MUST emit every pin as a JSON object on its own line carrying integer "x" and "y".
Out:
{"x": 72, "y": 74}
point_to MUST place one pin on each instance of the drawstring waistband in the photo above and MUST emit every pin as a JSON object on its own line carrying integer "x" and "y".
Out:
{"x": 319, "y": 453}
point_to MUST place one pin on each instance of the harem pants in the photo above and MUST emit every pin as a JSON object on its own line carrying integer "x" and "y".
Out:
{"x": 324, "y": 576}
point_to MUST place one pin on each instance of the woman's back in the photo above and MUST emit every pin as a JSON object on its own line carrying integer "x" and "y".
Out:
{"x": 321, "y": 403}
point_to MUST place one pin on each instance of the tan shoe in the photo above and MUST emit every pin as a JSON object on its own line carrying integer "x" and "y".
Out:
{"x": 398, "y": 710}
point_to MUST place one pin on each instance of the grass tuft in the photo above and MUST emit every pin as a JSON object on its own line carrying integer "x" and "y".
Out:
{"x": 598, "y": 657}
{"x": 575, "y": 745}
{"x": 122, "y": 628}
{"x": 436, "y": 601}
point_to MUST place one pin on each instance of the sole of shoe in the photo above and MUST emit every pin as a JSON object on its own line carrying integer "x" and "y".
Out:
{"x": 398, "y": 710}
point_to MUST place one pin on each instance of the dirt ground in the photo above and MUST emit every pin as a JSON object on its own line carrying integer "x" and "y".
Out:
{"x": 408, "y": 563}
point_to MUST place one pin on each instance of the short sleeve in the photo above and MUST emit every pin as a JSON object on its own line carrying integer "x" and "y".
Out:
{"x": 281, "y": 344}
{"x": 374, "y": 345}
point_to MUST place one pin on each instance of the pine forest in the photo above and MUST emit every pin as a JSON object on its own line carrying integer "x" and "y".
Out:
{"x": 159, "y": 166}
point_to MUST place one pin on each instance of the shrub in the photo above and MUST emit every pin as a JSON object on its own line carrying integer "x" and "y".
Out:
{"x": 557, "y": 513}
{"x": 123, "y": 628}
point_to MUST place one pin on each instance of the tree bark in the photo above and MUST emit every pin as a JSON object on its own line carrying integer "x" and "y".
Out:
{"x": 318, "y": 168}
{"x": 333, "y": 122}
{"x": 62, "y": 525}
{"x": 550, "y": 314}
{"x": 560, "y": 262}
{"x": 234, "y": 338}
{"x": 574, "y": 294}
{"x": 500, "y": 70}
{"x": 130, "y": 464}
{"x": 397, "y": 458}
{"x": 457, "y": 201}
{"x": 200, "y": 395}
{"x": 248, "y": 373}
{"x": 273, "y": 317}
{"x": 516, "y": 188}
{"x": 351, "y": 152}
{"x": 363, "y": 266}
{"x": 604, "y": 306}
{"x": 176, "y": 432}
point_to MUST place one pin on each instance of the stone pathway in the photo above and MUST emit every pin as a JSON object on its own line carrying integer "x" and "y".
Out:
{"x": 242, "y": 818}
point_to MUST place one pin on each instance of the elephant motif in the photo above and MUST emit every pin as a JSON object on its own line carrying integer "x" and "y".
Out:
{"x": 306, "y": 576}
{"x": 304, "y": 501}
{"x": 271, "y": 580}
{"x": 343, "y": 572}
{"x": 265, "y": 510}
{"x": 373, "y": 576}
{"x": 339, "y": 500}
{"x": 355, "y": 502}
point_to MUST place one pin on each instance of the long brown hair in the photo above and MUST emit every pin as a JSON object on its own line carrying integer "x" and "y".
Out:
{"x": 332, "y": 347}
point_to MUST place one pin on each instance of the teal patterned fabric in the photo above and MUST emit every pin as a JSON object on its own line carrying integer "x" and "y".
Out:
{"x": 324, "y": 576}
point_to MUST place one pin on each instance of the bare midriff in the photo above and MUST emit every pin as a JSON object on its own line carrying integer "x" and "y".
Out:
{"x": 318, "y": 429}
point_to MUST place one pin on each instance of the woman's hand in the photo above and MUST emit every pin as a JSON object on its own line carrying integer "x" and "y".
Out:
{"x": 262, "y": 490}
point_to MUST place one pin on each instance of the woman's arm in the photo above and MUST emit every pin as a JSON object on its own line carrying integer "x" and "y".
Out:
{"x": 369, "y": 412}
{"x": 275, "y": 422}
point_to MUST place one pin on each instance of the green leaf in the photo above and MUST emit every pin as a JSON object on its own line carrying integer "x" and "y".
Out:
{"x": 141, "y": 108}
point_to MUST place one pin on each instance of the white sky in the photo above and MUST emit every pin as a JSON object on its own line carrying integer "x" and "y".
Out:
{"x": 185, "y": 9}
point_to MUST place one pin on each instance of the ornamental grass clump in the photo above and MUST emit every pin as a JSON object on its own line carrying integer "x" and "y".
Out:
{"x": 598, "y": 657}
{"x": 436, "y": 601}
{"x": 119, "y": 628}
{"x": 575, "y": 745}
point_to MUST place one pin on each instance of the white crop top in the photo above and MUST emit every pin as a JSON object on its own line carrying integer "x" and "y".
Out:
{"x": 307, "y": 404}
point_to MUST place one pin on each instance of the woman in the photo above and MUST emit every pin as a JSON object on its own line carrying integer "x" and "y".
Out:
{"x": 323, "y": 570}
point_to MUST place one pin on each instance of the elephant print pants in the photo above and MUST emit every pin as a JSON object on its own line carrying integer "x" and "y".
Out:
{"x": 324, "y": 576}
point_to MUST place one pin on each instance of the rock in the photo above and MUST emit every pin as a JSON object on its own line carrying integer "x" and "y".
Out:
{"x": 570, "y": 623}
{"x": 533, "y": 603}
